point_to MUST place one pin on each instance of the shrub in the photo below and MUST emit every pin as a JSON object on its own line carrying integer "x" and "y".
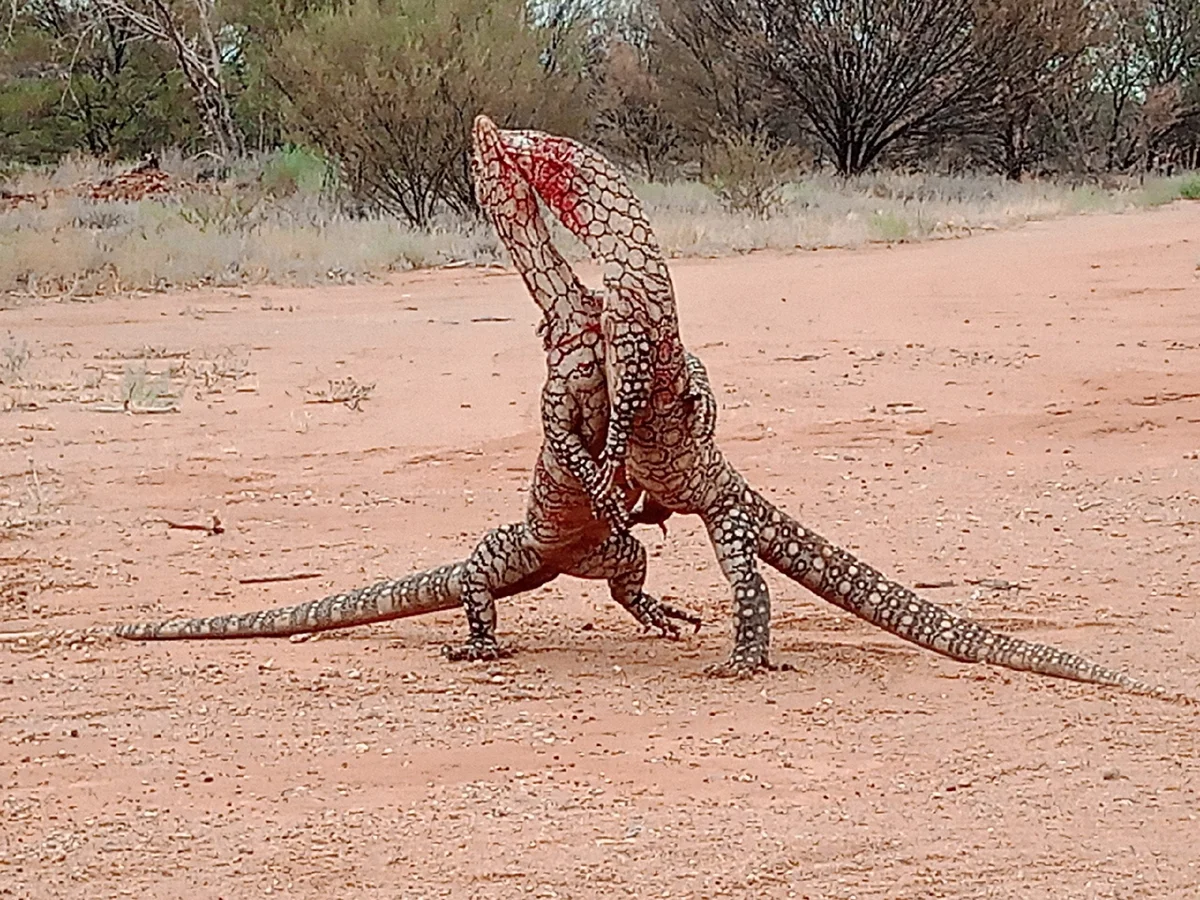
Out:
{"x": 748, "y": 173}
{"x": 293, "y": 170}
{"x": 888, "y": 226}
{"x": 389, "y": 88}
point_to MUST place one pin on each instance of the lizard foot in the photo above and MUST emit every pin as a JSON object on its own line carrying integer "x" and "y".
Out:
{"x": 655, "y": 614}
{"x": 666, "y": 613}
{"x": 475, "y": 650}
{"x": 746, "y": 662}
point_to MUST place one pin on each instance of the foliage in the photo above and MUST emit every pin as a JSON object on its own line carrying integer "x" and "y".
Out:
{"x": 1017, "y": 86}
{"x": 389, "y": 88}
{"x": 383, "y": 91}
{"x": 633, "y": 118}
{"x": 70, "y": 82}
{"x": 293, "y": 169}
{"x": 863, "y": 75}
{"x": 1037, "y": 49}
{"x": 704, "y": 71}
{"x": 748, "y": 173}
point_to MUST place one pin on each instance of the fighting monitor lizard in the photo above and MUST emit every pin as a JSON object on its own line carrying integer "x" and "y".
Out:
{"x": 561, "y": 533}
{"x": 673, "y": 457}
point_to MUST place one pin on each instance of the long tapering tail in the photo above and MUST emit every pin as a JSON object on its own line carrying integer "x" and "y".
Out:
{"x": 837, "y": 576}
{"x": 433, "y": 590}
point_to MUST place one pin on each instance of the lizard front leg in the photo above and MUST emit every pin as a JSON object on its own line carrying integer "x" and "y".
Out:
{"x": 621, "y": 559}
{"x": 629, "y": 366}
{"x": 703, "y": 402}
{"x": 560, "y": 417}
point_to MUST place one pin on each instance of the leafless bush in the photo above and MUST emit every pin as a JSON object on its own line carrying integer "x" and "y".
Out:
{"x": 633, "y": 115}
{"x": 697, "y": 48}
{"x": 864, "y": 74}
{"x": 1020, "y": 86}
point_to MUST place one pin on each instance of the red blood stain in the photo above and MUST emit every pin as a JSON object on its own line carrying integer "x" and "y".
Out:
{"x": 508, "y": 179}
{"x": 554, "y": 174}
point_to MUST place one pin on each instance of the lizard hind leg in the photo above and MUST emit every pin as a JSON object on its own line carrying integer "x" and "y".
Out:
{"x": 504, "y": 557}
{"x": 734, "y": 538}
{"x": 621, "y": 560}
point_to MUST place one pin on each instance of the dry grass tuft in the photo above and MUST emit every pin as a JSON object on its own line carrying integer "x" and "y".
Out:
{"x": 826, "y": 211}
{"x": 28, "y": 501}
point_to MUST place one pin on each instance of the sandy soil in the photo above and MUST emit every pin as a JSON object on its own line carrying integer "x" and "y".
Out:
{"x": 1018, "y": 407}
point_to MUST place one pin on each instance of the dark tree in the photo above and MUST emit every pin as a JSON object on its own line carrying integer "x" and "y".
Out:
{"x": 861, "y": 75}
{"x": 633, "y": 116}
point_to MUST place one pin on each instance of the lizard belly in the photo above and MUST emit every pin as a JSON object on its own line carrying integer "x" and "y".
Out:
{"x": 670, "y": 464}
{"x": 559, "y": 512}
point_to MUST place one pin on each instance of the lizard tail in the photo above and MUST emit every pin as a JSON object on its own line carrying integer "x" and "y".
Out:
{"x": 433, "y": 590}
{"x": 838, "y": 577}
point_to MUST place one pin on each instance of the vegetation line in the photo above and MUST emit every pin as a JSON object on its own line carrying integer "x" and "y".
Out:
{"x": 328, "y": 140}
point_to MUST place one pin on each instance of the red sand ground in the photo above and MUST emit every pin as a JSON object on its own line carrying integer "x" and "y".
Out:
{"x": 1021, "y": 406}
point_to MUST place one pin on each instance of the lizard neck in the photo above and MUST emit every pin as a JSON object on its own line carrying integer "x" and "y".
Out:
{"x": 567, "y": 318}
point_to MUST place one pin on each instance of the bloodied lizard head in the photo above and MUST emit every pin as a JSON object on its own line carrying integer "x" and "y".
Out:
{"x": 555, "y": 166}
{"x": 500, "y": 188}
{"x": 596, "y": 203}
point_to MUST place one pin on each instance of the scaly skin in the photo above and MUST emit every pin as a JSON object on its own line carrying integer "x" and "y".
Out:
{"x": 641, "y": 333}
{"x": 672, "y": 454}
{"x": 560, "y": 534}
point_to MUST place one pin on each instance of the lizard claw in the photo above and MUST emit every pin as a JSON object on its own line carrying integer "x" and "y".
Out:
{"x": 674, "y": 612}
{"x": 655, "y": 614}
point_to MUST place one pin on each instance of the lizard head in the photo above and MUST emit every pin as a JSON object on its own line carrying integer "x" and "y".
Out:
{"x": 499, "y": 188}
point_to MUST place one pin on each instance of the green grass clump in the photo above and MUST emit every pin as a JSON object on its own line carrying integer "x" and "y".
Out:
{"x": 888, "y": 226}
{"x": 295, "y": 170}
{"x": 1160, "y": 191}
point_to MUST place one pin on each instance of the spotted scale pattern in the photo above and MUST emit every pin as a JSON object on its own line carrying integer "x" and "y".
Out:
{"x": 672, "y": 454}
{"x": 838, "y": 577}
{"x": 560, "y": 534}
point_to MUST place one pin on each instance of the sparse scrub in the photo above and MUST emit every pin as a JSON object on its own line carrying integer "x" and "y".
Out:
{"x": 140, "y": 391}
{"x": 748, "y": 172}
{"x": 14, "y": 356}
{"x": 824, "y": 210}
{"x": 141, "y": 388}
{"x": 346, "y": 391}
{"x": 888, "y": 226}
{"x": 1189, "y": 189}
{"x": 297, "y": 170}
{"x": 27, "y": 505}
{"x": 237, "y": 232}
{"x": 214, "y": 374}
